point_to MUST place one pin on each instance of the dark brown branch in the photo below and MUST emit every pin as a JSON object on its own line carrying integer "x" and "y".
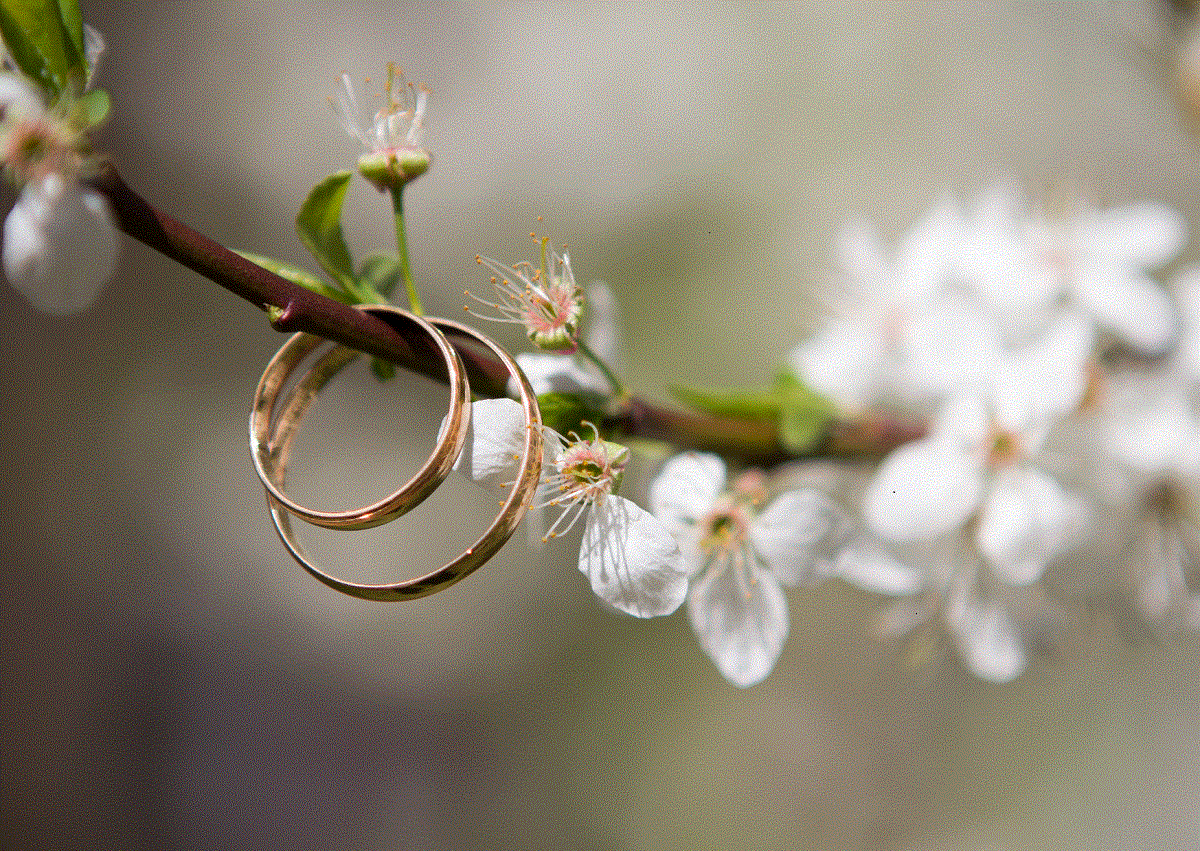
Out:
{"x": 299, "y": 309}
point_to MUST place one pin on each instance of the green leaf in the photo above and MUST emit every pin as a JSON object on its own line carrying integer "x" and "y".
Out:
{"x": 748, "y": 404}
{"x": 319, "y": 225}
{"x": 45, "y": 40}
{"x": 805, "y": 415}
{"x": 380, "y": 272}
{"x": 297, "y": 276}
{"x": 72, "y": 19}
{"x": 93, "y": 107}
{"x": 565, "y": 412}
{"x": 384, "y": 370}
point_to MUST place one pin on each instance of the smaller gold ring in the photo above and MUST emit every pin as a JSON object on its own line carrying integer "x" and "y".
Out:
{"x": 500, "y": 530}
{"x": 271, "y": 435}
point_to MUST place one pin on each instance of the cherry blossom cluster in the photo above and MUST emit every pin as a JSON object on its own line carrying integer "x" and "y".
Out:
{"x": 1058, "y": 379}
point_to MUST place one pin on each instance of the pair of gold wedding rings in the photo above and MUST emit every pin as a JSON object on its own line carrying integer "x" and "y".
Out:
{"x": 273, "y": 425}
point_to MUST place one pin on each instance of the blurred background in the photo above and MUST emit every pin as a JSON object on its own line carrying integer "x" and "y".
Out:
{"x": 173, "y": 680}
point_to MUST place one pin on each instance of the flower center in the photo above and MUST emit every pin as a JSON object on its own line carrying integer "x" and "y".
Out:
{"x": 585, "y": 473}
{"x": 726, "y": 528}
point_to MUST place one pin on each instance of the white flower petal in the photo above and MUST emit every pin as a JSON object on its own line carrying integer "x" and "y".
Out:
{"x": 632, "y": 560}
{"x": 495, "y": 443}
{"x": 741, "y": 622}
{"x": 871, "y": 568}
{"x": 1043, "y": 381}
{"x": 922, "y": 490}
{"x": 603, "y": 326}
{"x": 988, "y": 640}
{"x": 1129, "y": 304}
{"x": 19, "y": 98}
{"x": 60, "y": 245}
{"x": 1026, "y": 521}
{"x": 557, "y": 374}
{"x": 845, "y": 361}
{"x": 795, "y": 531}
{"x": 950, "y": 346}
{"x": 927, "y": 252}
{"x": 1139, "y": 236}
{"x": 685, "y": 489}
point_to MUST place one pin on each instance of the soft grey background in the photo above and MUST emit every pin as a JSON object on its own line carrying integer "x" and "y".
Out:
{"x": 171, "y": 679}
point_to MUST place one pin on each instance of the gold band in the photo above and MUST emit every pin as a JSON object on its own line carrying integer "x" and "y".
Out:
{"x": 501, "y": 528}
{"x": 269, "y": 444}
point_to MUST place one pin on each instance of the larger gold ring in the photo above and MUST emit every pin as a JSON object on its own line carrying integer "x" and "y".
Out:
{"x": 501, "y": 528}
{"x": 267, "y": 440}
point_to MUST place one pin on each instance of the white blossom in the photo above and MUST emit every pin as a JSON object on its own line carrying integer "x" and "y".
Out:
{"x": 899, "y": 331}
{"x": 399, "y": 125}
{"x": 60, "y": 245}
{"x": 630, "y": 558}
{"x": 60, "y": 242}
{"x": 739, "y": 555}
{"x": 543, "y": 299}
{"x": 1102, "y": 256}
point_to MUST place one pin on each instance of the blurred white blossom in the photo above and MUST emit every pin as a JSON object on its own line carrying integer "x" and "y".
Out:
{"x": 60, "y": 243}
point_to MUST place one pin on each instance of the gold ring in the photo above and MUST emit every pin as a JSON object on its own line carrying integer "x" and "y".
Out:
{"x": 501, "y": 529}
{"x": 269, "y": 444}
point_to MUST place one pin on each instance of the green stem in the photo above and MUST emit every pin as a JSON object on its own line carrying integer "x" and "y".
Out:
{"x": 620, "y": 391}
{"x": 414, "y": 300}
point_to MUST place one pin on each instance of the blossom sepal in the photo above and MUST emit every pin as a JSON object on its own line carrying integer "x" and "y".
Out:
{"x": 392, "y": 169}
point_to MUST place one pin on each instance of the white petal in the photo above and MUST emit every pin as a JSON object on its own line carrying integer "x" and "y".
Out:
{"x": 927, "y": 252}
{"x": 1027, "y": 521}
{"x": 19, "y": 98}
{"x": 963, "y": 422}
{"x": 844, "y": 360}
{"x": 59, "y": 245}
{"x": 1139, "y": 236}
{"x": 741, "y": 622}
{"x": 1154, "y": 433}
{"x": 949, "y": 346}
{"x": 557, "y": 374}
{"x": 93, "y": 49}
{"x": 1129, "y": 304}
{"x": 1039, "y": 383}
{"x": 495, "y": 443}
{"x": 871, "y": 568}
{"x": 632, "y": 560}
{"x": 922, "y": 490}
{"x": 795, "y": 531}
{"x": 988, "y": 641}
{"x": 685, "y": 490}
{"x": 603, "y": 325}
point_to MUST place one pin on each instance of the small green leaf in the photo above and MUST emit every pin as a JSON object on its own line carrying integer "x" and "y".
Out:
{"x": 380, "y": 272}
{"x": 384, "y": 370}
{"x": 319, "y": 225}
{"x": 297, "y": 276}
{"x": 748, "y": 404}
{"x": 45, "y": 40}
{"x": 93, "y": 107}
{"x": 565, "y": 412}
{"x": 805, "y": 415}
